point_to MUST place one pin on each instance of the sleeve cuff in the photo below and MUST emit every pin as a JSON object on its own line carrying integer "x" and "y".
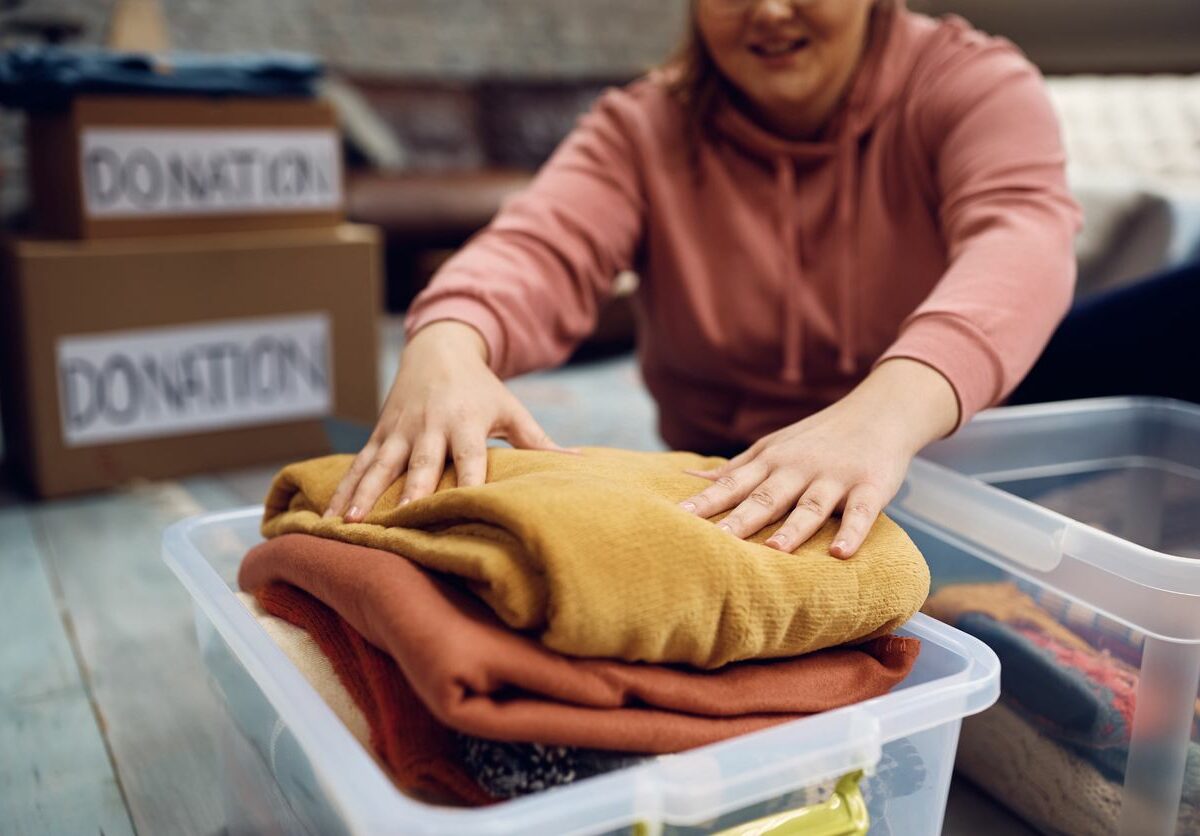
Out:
{"x": 468, "y": 311}
{"x": 958, "y": 351}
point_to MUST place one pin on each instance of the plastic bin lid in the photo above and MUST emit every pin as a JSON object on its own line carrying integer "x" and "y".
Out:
{"x": 992, "y": 490}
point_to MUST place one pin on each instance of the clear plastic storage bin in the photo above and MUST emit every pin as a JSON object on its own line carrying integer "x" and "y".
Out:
{"x": 291, "y": 766}
{"x": 1092, "y": 510}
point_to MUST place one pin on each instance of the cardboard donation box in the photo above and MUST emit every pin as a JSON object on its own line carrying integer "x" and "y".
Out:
{"x": 151, "y": 165}
{"x": 157, "y": 357}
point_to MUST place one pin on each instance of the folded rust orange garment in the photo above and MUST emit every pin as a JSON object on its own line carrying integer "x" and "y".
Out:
{"x": 419, "y": 752}
{"x": 480, "y": 677}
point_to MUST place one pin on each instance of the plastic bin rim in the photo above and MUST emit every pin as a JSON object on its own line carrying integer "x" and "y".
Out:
{"x": 883, "y": 719}
{"x": 1186, "y": 566}
{"x": 1128, "y": 560}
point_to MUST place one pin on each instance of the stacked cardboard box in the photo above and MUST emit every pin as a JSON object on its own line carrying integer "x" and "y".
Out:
{"x": 190, "y": 299}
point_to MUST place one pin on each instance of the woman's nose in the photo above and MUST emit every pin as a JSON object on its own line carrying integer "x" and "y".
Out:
{"x": 770, "y": 10}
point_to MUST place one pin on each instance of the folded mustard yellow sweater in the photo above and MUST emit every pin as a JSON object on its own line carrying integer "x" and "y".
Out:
{"x": 592, "y": 554}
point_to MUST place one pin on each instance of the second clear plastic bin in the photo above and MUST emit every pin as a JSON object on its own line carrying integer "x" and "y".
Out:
{"x": 1068, "y": 536}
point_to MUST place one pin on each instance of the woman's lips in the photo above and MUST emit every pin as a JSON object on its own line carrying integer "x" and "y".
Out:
{"x": 779, "y": 53}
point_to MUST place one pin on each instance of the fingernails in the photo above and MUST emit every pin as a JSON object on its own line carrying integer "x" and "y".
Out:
{"x": 404, "y": 501}
{"x": 328, "y": 513}
{"x": 840, "y": 548}
{"x": 725, "y": 527}
{"x": 690, "y": 507}
{"x": 353, "y": 514}
{"x": 777, "y": 542}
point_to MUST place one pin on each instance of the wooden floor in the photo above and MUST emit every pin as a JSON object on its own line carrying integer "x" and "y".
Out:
{"x": 106, "y": 718}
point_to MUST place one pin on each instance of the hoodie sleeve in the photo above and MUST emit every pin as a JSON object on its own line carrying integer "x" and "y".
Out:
{"x": 1007, "y": 218}
{"x": 532, "y": 281}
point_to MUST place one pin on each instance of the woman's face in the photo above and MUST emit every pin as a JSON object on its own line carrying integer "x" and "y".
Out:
{"x": 791, "y": 59}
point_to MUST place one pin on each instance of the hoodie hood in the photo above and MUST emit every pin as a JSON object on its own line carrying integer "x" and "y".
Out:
{"x": 874, "y": 87}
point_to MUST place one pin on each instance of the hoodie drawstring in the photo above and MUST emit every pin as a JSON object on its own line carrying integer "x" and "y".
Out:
{"x": 793, "y": 313}
{"x": 847, "y": 261}
{"x": 847, "y": 197}
{"x": 848, "y": 256}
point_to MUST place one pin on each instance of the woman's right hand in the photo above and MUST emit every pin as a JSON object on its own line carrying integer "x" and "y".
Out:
{"x": 445, "y": 400}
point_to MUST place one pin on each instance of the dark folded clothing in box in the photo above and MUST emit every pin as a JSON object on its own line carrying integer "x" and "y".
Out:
{"x": 47, "y": 77}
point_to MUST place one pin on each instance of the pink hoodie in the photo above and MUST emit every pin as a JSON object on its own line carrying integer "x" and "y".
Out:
{"x": 932, "y": 221}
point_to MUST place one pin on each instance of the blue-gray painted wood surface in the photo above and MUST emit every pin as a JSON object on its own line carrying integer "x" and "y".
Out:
{"x": 133, "y": 625}
{"x": 55, "y": 775}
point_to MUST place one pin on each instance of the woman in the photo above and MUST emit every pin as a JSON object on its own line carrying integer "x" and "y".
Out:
{"x": 853, "y": 232}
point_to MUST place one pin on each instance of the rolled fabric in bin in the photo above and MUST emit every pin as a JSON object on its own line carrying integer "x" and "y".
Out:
{"x": 1083, "y": 697}
{"x": 1048, "y": 785}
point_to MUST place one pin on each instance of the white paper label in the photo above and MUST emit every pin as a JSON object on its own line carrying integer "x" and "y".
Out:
{"x": 169, "y": 381}
{"x": 131, "y": 172}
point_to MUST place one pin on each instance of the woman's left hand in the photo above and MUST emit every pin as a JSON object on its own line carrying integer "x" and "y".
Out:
{"x": 851, "y": 456}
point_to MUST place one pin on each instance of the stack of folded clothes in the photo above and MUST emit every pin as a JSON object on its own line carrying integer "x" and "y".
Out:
{"x": 1054, "y": 748}
{"x": 567, "y": 618}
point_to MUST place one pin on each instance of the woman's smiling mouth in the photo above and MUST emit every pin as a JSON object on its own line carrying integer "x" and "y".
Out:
{"x": 779, "y": 48}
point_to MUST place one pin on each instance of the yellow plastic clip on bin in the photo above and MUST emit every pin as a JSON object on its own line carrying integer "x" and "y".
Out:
{"x": 843, "y": 814}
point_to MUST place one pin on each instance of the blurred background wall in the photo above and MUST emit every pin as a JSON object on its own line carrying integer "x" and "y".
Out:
{"x": 459, "y": 38}
{"x": 448, "y": 106}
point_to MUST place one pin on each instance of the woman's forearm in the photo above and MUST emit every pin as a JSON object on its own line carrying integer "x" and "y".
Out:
{"x": 448, "y": 335}
{"x": 910, "y": 398}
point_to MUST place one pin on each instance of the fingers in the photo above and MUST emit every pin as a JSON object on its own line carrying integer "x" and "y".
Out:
{"x": 425, "y": 466}
{"x": 812, "y": 510}
{"x": 523, "y": 432}
{"x": 469, "y": 450}
{"x": 726, "y": 491}
{"x": 345, "y": 489}
{"x": 379, "y": 465}
{"x": 378, "y": 474}
{"x": 862, "y": 509}
{"x": 766, "y": 503}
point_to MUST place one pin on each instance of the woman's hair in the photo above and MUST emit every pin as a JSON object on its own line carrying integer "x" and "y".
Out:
{"x": 693, "y": 79}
